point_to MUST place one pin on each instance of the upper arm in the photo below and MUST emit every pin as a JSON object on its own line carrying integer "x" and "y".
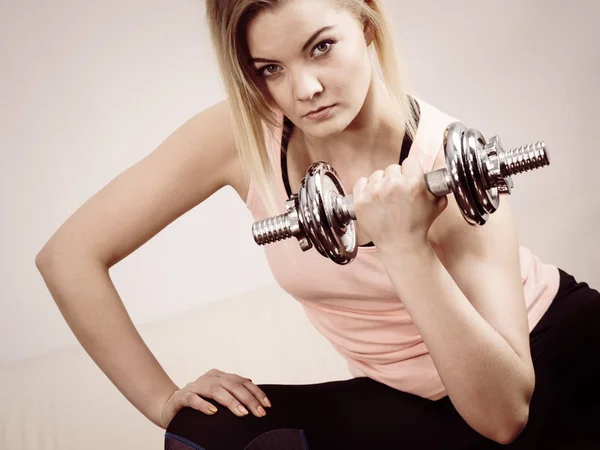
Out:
{"x": 484, "y": 262}
{"x": 191, "y": 164}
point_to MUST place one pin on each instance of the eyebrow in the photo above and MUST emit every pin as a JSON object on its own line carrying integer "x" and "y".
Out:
{"x": 304, "y": 47}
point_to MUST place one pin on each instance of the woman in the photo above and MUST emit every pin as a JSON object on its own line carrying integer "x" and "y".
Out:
{"x": 456, "y": 337}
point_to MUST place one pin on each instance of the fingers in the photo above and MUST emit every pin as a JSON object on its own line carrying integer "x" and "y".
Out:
{"x": 237, "y": 393}
{"x": 240, "y": 395}
{"x": 184, "y": 398}
{"x": 359, "y": 187}
{"x": 258, "y": 393}
{"x": 393, "y": 171}
{"x": 376, "y": 180}
{"x": 193, "y": 400}
{"x": 411, "y": 167}
{"x": 442, "y": 203}
{"x": 369, "y": 185}
{"x": 235, "y": 398}
{"x": 230, "y": 390}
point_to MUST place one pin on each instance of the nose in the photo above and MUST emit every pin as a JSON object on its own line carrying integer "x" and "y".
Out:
{"x": 306, "y": 85}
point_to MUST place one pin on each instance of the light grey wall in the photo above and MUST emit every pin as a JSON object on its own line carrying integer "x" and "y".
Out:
{"x": 89, "y": 88}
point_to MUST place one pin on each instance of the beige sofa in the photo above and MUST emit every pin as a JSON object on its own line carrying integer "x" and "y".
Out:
{"x": 63, "y": 401}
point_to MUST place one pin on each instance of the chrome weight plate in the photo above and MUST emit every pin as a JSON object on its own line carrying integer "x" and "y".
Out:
{"x": 477, "y": 212}
{"x": 343, "y": 234}
{"x": 330, "y": 238}
{"x": 487, "y": 197}
{"x": 455, "y": 164}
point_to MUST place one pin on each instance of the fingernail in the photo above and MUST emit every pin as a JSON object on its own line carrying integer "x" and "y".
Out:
{"x": 267, "y": 402}
{"x": 242, "y": 409}
{"x": 261, "y": 411}
{"x": 212, "y": 408}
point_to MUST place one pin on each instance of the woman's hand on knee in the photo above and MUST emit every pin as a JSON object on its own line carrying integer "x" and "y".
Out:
{"x": 228, "y": 389}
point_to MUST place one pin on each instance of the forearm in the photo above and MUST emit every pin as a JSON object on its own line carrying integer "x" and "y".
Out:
{"x": 91, "y": 306}
{"x": 484, "y": 377}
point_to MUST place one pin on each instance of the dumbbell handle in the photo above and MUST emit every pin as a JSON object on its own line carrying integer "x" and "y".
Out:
{"x": 437, "y": 182}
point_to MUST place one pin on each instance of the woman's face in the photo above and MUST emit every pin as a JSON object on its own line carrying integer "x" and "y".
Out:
{"x": 310, "y": 54}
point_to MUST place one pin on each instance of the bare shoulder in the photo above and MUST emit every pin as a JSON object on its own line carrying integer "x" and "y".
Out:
{"x": 195, "y": 161}
{"x": 215, "y": 129}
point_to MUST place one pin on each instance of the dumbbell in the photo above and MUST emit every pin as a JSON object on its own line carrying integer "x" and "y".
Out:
{"x": 476, "y": 172}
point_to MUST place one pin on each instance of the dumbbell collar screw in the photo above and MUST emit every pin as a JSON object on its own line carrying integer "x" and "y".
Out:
{"x": 291, "y": 206}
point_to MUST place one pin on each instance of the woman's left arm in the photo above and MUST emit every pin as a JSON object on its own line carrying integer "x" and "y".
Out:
{"x": 467, "y": 300}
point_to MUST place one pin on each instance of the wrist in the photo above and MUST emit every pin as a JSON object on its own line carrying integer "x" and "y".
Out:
{"x": 407, "y": 266}
{"x": 412, "y": 247}
{"x": 161, "y": 420}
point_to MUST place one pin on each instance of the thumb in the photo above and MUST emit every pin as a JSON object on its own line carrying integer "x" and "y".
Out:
{"x": 358, "y": 189}
{"x": 359, "y": 186}
{"x": 412, "y": 166}
{"x": 442, "y": 205}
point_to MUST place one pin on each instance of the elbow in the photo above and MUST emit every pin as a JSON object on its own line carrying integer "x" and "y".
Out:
{"x": 504, "y": 422}
{"x": 42, "y": 259}
{"x": 508, "y": 434}
{"x": 47, "y": 256}
{"x": 45, "y": 260}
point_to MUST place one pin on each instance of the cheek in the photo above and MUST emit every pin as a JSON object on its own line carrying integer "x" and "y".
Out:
{"x": 280, "y": 93}
{"x": 263, "y": 88}
{"x": 352, "y": 71}
{"x": 274, "y": 94}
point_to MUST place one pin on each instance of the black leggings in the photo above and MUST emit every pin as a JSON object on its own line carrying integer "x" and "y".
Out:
{"x": 362, "y": 414}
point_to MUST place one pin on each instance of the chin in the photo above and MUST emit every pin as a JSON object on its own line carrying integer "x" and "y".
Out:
{"x": 329, "y": 128}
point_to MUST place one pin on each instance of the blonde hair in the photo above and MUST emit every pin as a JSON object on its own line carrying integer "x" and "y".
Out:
{"x": 254, "y": 118}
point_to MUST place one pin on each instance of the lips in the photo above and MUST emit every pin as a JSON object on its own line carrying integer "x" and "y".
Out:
{"x": 317, "y": 110}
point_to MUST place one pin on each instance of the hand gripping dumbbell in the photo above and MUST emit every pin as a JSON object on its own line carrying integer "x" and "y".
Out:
{"x": 477, "y": 172}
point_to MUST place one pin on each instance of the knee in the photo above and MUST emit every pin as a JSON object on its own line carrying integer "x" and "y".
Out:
{"x": 221, "y": 431}
{"x": 192, "y": 429}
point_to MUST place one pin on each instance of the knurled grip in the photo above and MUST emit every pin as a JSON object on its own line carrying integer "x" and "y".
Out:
{"x": 438, "y": 182}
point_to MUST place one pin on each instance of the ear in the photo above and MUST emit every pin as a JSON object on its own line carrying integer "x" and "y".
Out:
{"x": 368, "y": 33}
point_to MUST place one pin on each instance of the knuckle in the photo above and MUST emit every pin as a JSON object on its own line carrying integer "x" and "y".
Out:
{"x": 238, "y": 379}
{"x": 392, "y": 168}
{"x": 239, "y": 390}
{"x": 227, "y": 383}
{"x": 222, "y": 398}
{"x": 214, "y": 390}
{"x": 376, "y": 175}
{"x": 413, "y": 186}
{"x": 387, "y": 185}
{"x": 395, "y": 184}
{"x": 248, "y": 384}
{"x": 246, "y": 395}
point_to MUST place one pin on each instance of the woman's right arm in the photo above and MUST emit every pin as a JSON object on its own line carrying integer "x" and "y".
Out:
{"x": 194, "y": 162}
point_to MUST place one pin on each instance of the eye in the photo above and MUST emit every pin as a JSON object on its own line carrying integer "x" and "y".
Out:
{"x": 324, "y": 46}
{"x": 271, "y": 69}
{"x": 267, "y": 71}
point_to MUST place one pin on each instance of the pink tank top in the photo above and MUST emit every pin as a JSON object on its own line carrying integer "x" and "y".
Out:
{"x": 357, "y": 308}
